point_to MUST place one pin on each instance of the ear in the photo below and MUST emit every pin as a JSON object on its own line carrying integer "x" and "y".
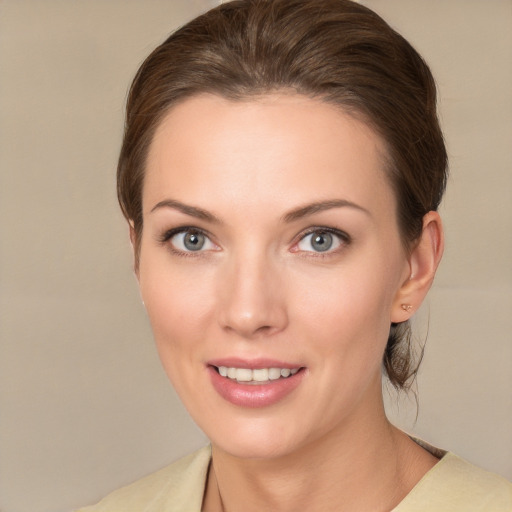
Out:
{"x": 423, "y": 262}
{"x": 133, "y": 242}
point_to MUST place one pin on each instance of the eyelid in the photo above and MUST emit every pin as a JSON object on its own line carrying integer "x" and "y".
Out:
{"x": 344, "y": 238}
{"x": 167, "y": 235}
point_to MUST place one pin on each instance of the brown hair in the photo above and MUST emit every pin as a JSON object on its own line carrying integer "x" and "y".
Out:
{"x": 335, "y": 50}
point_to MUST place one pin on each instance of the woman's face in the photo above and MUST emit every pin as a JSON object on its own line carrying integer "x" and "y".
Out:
{"x": 270, "y": 245}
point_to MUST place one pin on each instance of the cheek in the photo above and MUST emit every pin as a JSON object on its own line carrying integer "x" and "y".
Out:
{"x": 345, "y": 298}
{"x": 347, "y": 314}
{"x": 177, "y": 302}
{"x": 175, "y": 314}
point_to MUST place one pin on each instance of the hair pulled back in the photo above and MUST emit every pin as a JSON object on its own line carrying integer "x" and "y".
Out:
{"x": 335, "y": 50}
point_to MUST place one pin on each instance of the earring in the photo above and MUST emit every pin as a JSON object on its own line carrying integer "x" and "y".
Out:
{"x": 406, "y": 307}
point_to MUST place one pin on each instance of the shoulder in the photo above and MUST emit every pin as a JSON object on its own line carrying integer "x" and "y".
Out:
{"x": 454, "y": 484}
{"x": 170, "y": 489}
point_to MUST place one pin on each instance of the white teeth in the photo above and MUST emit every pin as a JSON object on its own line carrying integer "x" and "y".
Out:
{"x": 274, "y": 373}
{"x": 260, "y": 375}
{"x": 243, "y": 375}
{"x": 257, "y": 375}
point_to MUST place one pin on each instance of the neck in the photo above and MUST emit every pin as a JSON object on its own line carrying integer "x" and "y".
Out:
{"x": 365, "y": 464}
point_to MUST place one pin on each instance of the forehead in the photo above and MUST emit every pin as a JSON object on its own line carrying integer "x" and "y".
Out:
{"x": 249, "y": 151}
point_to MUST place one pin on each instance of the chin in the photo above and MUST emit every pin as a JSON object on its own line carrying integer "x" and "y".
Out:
{"x": 257, "y": 438}
{"x": 245, "y": 448}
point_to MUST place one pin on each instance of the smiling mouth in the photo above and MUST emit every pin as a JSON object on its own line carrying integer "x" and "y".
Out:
{"x": 256, "y": 376}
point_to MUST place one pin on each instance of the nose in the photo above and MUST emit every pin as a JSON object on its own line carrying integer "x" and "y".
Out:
{"x": 251, "y": 296}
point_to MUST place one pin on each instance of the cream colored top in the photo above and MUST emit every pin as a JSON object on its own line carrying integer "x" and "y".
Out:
{"x": 452, "y": 485}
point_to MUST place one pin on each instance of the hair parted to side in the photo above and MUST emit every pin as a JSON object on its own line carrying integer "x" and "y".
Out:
{"x": 334, "y": 50}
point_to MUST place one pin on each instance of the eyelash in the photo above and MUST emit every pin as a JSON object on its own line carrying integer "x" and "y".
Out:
{"x": 165, "y": 238}
{"x": 343, "y": 237}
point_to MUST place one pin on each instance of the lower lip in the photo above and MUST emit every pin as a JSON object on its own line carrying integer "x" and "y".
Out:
{"x": 254, "y": 395}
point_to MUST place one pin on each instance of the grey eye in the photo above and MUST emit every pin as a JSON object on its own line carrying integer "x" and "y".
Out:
{"x": 320, "y": 241}
{"x": 191, "y": 241}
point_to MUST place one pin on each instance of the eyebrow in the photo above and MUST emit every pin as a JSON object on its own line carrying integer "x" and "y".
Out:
{"x": 309, "y": 209}
{"x": 192, "y": 211}
{"x": 294, "y": 215}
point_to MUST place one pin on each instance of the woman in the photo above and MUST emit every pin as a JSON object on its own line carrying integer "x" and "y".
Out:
{"x": 281, "y": 172}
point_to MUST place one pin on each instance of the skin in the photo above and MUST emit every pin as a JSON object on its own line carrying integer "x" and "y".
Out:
{"x": 259, "y": 289}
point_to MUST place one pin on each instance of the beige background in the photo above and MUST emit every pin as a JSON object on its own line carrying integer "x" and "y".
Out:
{"x": 84, "y": 404}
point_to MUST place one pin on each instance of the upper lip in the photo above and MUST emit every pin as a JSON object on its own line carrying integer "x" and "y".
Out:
{"x": 253, "y": 364}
